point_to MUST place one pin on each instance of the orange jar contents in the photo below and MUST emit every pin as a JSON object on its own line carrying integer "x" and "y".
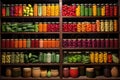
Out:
{"x": 16, "y": 43}
{"x": 43, "y": 73}
{"x": 57, "y": 43}
{"x": 83, "y": 26}
{"x": 49, "y": 43}
{"x": 56, "y": 9}
{"x": 115, "y": 25}
{"x": 88, "y": 27}
{"x": 45, "y": 43}
{"x": 79, "y": 27}
{"x": 52, "y": 10}
{"x": 20, "y": 43}
{"x": 20, "y": 10}
{"x": 35, "y": 10}
{"x": 27, "y": 72}
{"x": 36, "y": 72}
{"x": 44, "y": 10}
{"x": 98, "y": 25}
{"x": 53, "y": 43}
{"x": 24, "y": 43}
{"x": 94, "y": 10}
{"x": 40, "y": 27}
{"x": 48, "y": 10}
{"x": 44, "y": 27}
{"x": 41, "y": 43}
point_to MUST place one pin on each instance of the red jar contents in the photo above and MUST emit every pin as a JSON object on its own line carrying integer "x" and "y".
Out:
{"x": 3, "y": 10}
{"x": 32, "y": 43}
{"x": 16, "y": 8}
{"x": 7, "y": 43}
{"x": 12, "y": 10}
{"x": 66, "y": 72}
{"x": 98, "y": 43}
{"x": 84, "y": 43}
{"x": 102, "y": 42}
{"x": 12, "y": 43}
{"x": 115, "y": 9}
{"x": 93, "y": 43}
{"x": 74, "y": 43}
{"x": 65, "y": 43}
{"x": 79, "y": 41}
{"x": 109, "y": 57}
{"x": 89, "y": 42}
{"x": 3, "y": 43}
{"x": 111, "y": 10}
{"x": 70, "y": 43}
{"x": 107, "y": 7}
{"x": 36, "y": 43}
{"x": 116, "y": 43}
{"x": 65, "y": 27}
{"x": 94, "y": 27}
{"x": 106, "y": 43}
{"x": 74, "y": 27}
{"x": 111, "y": 43}
{"x": 73, "y": 72}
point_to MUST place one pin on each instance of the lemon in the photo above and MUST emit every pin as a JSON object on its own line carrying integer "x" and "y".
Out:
{"x": 31, "y": 14}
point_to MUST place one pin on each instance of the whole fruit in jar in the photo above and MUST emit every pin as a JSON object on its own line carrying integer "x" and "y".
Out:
{"x": 74, "y": 72}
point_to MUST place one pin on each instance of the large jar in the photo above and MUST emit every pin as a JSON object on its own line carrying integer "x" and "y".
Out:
{"x": 16, "y": 72}
{"x": 66, "y": 72}
{"x": 74, "y": 72}
{"x": 90, "y": 72}
{"x": 36, "y": 71}
{"x": 27, "y": 72}
{"x": 43, "y": 73}
{"x": 54, "y": 72}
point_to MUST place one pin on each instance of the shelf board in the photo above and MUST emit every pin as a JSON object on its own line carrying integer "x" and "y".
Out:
{"x": 104, "y": 17}
{"x": 20, "y": 17}
{"x": 90, "y": 48}
{"x": 29, "y": 32}
{"x": 30, "y": 78}
{"x": 96, "y": 78}
{"x": 97, "y": 64}
{"x": 30, "y": 48}
{"x": 90, "y": 32}
{"x": 31, "y": 64}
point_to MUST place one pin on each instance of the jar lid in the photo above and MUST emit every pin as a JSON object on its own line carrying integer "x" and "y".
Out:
{"x": 66, "y": 68}
{"x": 73, "y": 67}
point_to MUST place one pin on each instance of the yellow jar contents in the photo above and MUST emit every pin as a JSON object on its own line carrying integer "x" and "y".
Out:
{"x": 79, "y": 27}
{"x": 36, "y": 72}
{"x": 56, "y": 10}
{"x": 48, "y": 10}
{"x": 43, "y": 73}
{"x": 44, "y": 10}
{"x": 78, "y": 10}
{"x": 94, "y": 10}
{"x": 54, "y": 72}
{"x": 102, "y": 10}
{"x": 27, "y": 72}
{"x": 52, "y": 10}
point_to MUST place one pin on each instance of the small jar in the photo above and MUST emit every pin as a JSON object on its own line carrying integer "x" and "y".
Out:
{"x": 8, "y": 72}
{"x": 90, "y": 72}
{"x": 43, "y": 73}
{"x": 74, "y": 72}
{"x": 66, "y": 72}
{"x": 36, "y": 72}
{"x": 27, "y": 72}
{"x": 16, "y": 72}
{"x": 106, "y": 72}
{"x": 54, "y": 72}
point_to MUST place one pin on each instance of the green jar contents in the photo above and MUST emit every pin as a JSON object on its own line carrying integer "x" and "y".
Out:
{"x": 21, "y": 57}
{"x": 17, "y": 58}
{"x": 49, "y": 57}
{"x": 8, "y": 57}
{"x": 3, "y": 57}
{"x": 53, "y": 57}
{"x": 7, "y": 10}
{"x": 13, "y": 57}
{"x": 90, "y": 9}
{"x": 111, "y": 25}
{"x": 28, "y": 43}
{"x": 39, "y": 10}
{"x": 82, "y": 9}
{"x": 45, "y": 57}
{"x": 36, "y": 27}
{"x": 41, "y": 57}
{"x": 16, "y": 72}
{"x": 57, "y": 58}
{"x": 86, "y": 10}
{"x": 98, "y": 10}
{"x": 90, "y": 72}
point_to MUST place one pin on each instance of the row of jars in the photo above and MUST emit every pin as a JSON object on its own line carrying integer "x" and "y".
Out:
{"x": 35, "y": 72}
{"x": 90, "y": 10}
{"x": 30, "y": 27}
{"x": 90, "y": 43}
{"x": 23, "y": 57}
{"x": 30, "y": 43}
{"x": 90, "y": 72}
{"x": 50, "y": 9}
{"x": 98, "y": 26}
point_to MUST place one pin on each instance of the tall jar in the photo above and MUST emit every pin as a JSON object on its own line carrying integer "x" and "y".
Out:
{"x": 43, "y": 9}
{"x": 94, "y": 10}
{"x": 48, "y": 57}
{"x": 102, "y": 10}
{"x": 74, "y": 72}
{"x": 36, "y": 72}
{"x": 90, "y": 72}
{"x": 82, "y": 10}
{"x": 115, "y": 24}
{"x": 52, "y": 10}
{"x": 39, "y": 9}
{"x": 90, "y": 9}
{"x": 78, "y": 10}
{"x": 107, "y": 27}
{"x": 27, "y": 72}
{"x": 8, "y": 72}
{"x": 106, "y": 72}
{"x": 111, "y": 25}
{"x": 56, "y": 10}
{"x": 86, "y": 10}
{"x": 48, "y": 10}
{"x": 98, "y": 10}
{"x": 66, "y": 72}
{"x": 102, "y": 26}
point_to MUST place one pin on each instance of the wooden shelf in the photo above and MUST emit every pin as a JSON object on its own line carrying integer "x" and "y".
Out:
{"x": 30, "y": 78}
{"x": 30, "y": 17}
{"x": 90, "y": 32}
{"x": 96, "y": 17}
{"x": 91, "y": 64}
{"x": 96, "y": 78}
{"x": 29, "y": 32}
{"x": 31, "y": 64}
{"x": 90, "y": 48}
{"x": 29, "y": 48}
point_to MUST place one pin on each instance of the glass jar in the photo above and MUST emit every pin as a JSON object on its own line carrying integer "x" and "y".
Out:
{"x": 54, "y": 72}
{"x": 43, "y": 73}
{"x": 82, "y": 10}
{"x": 94, "y": 10}
{"x": 74, "y": 72}
{"x": 102, "y": 10}
{"x": 90, "y": 72}
{"x": 102, "y": 26}
{"x": 8, "y": 72}
{"x": 36, "y": 72}
{"x": 111, "y": 25}
{"x": 66, "y": 72}
{"x": 107, "y": 72}
{"x": 27, "y": 72}
{"x": 16, "y": 72}
{"x": 48, "y": 57}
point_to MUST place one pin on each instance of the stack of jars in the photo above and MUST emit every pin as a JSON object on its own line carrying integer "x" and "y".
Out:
{"x": 98, "y": 26}
{"x": 90, "y": 10}
{"x": 30, "y": 43}
{"x": 30, "y": 10}
{"x": 90, "y": 43}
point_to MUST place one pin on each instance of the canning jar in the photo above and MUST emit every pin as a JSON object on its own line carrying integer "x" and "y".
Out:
{"x": 78, "y": 10}
{"x": 52, "y": 9}
{"x": 90, "y": 9}
{"x": 54, "y": 72}
{"x": 8, "y": 72}
{"x": 90, "y": 72}
{"x": 82, "y": 10}
{"x": 111, "y": 25}
{"x": 39, "y": 9}
{"x": 94, "y": 10}
{"x": 66, "y": 72}
{"x": 102, "y": 26}
{"x": 102, "y": 10}
{"x": 36, "y": 72}
{"x": 98, "y": 10}
{"x": 98, "y": 25}
{"x": 48, "y": 10}
{"x": 43, "y": 73}
{"x": 3, "y": 10}
{"x": 74, "y": 72}
{"x": 86, "y": 10}
{"x": 48, "y": 57}
{"x": 43, "y": 9}
{"x": 115, "y": 24}
{"x": 27, "y": 72}
{"x": 16, "y": 72}
{"x": 107, "y": 27}
{"x": 107, "y": 9}
{"x": 56, "y": 10}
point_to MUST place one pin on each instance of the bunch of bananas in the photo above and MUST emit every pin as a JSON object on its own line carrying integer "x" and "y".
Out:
{"x": 101, "y": 57}
{"x": 105, "y": 57}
